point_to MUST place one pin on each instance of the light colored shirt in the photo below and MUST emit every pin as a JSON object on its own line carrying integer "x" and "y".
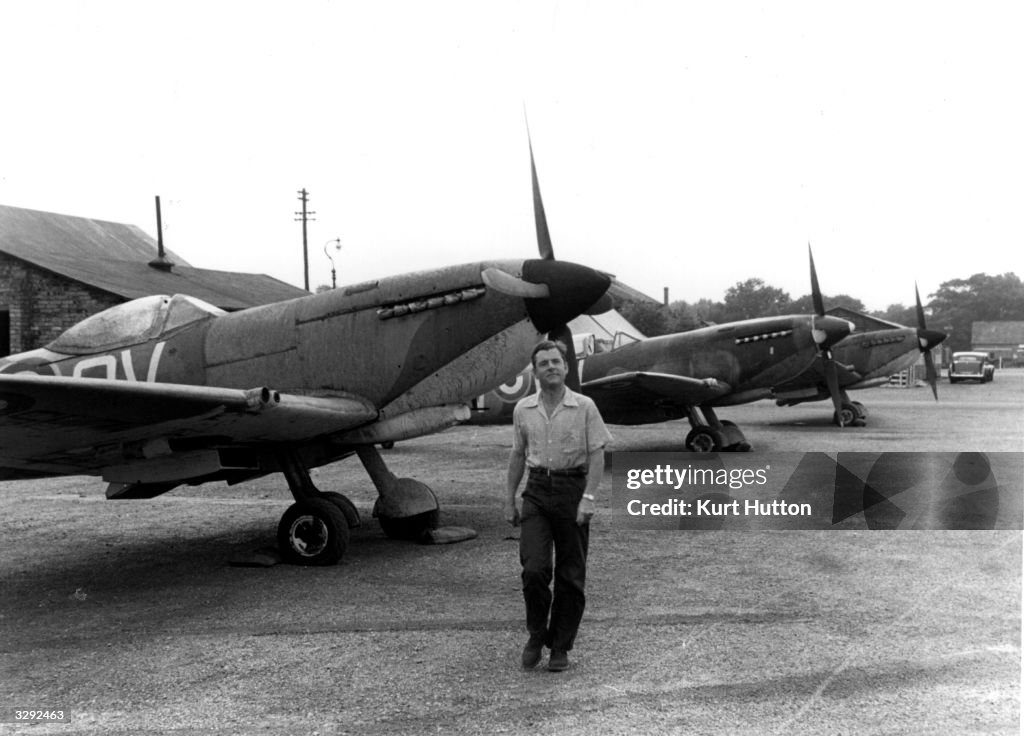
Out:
{"x": 563, "y": 440}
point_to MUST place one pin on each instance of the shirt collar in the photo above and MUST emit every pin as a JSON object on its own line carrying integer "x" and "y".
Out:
{"x": 569, "y": 399}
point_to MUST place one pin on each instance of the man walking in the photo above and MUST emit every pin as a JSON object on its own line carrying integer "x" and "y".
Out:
{"x": 559, "y": 438}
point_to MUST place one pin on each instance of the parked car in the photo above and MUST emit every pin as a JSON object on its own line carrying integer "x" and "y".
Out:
{"x": 971, "y": 366}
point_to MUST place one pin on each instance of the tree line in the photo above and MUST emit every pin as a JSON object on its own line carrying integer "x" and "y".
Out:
{"x": 952, "y": 308}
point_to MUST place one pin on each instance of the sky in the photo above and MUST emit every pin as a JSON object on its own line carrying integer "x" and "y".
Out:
{"x": 681, "y": 145}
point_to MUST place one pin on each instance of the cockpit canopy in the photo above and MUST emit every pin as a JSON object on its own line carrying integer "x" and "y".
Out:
{"x": 132, "y": 323}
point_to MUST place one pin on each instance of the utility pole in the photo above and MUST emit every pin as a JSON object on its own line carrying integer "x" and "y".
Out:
{"x": 305, "y": 216}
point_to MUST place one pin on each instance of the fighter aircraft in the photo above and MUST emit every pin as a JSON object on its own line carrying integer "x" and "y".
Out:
{"x": 864, "y": 360}
{"x": 169, "y": 390}
{"x": 687, "y": 374}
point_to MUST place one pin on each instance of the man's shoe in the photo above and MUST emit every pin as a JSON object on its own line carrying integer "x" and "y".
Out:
{"x": 559, "y": 661}
{"x": 532, "y": 652}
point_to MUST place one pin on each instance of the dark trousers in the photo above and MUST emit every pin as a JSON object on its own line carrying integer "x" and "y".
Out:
{"x": 548, "y": 524}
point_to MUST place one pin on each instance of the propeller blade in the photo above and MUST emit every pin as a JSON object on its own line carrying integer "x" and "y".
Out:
{"x": 927, "y": 339}
{"x": 543, "y": 235}
{"x": 563, "y": 334}
{"x": 823, "y": 326}
{"x": 931, "y": 374}
{"x": 819, "y": 304}
{"x": 506, "y": 283}
{"x": 920, "y": 310}
{"x": 832, "y": 381}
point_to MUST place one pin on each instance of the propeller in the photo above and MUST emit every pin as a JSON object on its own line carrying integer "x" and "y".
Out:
{"x": 821, "y": 337}
{"x": 928, "y": 339}
{"x": 560, "y": 332}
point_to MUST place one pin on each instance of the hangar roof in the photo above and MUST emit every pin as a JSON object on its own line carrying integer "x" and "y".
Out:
{"x": 114, "y": 257}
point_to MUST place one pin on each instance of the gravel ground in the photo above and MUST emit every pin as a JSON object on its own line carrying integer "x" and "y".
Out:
{"x": 131, "y": 617}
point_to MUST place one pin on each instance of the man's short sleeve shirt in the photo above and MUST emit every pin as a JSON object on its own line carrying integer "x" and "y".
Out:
{"x": 563, "y": 440}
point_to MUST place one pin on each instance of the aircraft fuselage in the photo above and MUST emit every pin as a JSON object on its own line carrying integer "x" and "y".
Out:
{"x": 749, "y": 356}
{"x": 401, "y": 343}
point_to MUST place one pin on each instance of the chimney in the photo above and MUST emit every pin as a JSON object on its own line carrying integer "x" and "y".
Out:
{"x": 160, "y": 262}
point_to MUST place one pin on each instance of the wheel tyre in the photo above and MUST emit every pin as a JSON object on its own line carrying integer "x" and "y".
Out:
{"x": 702, "y": 439}
{"x": 848, "y": 414}
{"x": 862, "y": 411}
{"x": 313, "y": 532}
{"x": 347, "y": 507}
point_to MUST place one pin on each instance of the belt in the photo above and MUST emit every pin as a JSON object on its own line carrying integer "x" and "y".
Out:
{"x": 578, "y": 472}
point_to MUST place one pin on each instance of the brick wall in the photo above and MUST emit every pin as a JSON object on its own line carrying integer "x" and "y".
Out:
{"x": 42, "y": 304}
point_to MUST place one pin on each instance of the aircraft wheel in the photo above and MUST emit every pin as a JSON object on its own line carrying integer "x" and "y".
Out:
{"x": 347, "y": 507}
{"x": 313, "y": 531}
{"x": 409, "y": 527}
{"x": 862, "y": 411}
{"x": 702, "y": 439}
{"x": 848, "y": 414}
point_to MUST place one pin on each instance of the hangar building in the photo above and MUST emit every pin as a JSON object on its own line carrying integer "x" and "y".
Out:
{"x": 55, "y": 270}
{"x": 1004, "y": 341}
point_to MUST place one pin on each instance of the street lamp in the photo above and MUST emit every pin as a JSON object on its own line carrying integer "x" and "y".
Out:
{"x": 337, "y": 246}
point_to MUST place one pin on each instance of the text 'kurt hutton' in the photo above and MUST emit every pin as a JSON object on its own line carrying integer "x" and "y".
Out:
{"x": 707, "y": 507}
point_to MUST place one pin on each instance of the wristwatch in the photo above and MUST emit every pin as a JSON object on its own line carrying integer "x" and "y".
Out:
{"x": 588, "y": 496}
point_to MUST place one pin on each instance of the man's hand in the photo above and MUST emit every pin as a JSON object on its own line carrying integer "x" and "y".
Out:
{"x": 585, "y": 511}
{"x": 511, "y": 513}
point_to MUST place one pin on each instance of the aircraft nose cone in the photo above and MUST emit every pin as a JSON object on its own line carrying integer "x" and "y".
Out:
{"x": 829, "y": 330}
{"x": 573, "y": 289}
{"x": 929, "y": 338}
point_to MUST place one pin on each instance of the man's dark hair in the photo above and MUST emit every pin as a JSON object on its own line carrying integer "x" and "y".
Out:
{"x": 549, "y": 345}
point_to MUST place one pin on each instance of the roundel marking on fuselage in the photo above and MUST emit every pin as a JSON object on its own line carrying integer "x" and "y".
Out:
{"x": 511, "y": 391}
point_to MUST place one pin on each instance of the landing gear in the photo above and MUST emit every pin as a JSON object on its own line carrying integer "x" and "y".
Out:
{"x": 346, "y": 507}
{"x": 315, "y": 529}
{"x": 852, "y": 413}
{"x": 405, "y": 508}
{"x": 703, "y": 439}
{"x": 708, "y": 434}
{"x": 845, "y": 416}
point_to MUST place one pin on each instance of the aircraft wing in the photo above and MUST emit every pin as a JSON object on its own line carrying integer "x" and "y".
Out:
{"x": 638, "y": 387}
{"x": 60, "y": 425}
